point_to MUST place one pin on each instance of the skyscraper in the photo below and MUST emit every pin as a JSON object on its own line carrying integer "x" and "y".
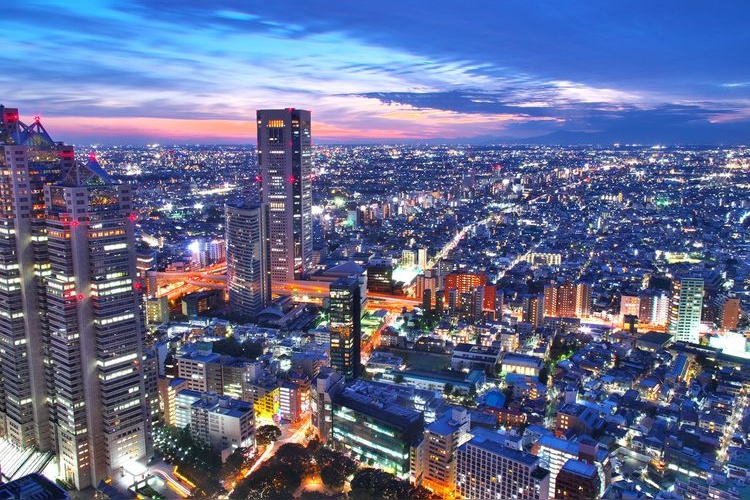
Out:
{"x": 96, "y": 333}
{"x": 346, "y": 333}
{"x": 248, "y": 279}
{"x": 685, "y": 309}
{"x": 29, "y": 159}
{"x": 285, "y": 160}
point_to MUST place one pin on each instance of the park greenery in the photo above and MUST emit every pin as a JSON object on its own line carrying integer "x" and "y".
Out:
{"x": 267, "y": 434}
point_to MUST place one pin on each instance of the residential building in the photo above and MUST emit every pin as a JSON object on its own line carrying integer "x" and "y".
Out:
{"x": 577, "y": 480}
{"x": 685, "y": 309}
{"x": 486, "y": 468}
{"x": 443, "y": 437}
{"x": 224, "y": 423}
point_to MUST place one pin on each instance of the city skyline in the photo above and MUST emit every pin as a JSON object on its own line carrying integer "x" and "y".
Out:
{"x": 139, "y": 72}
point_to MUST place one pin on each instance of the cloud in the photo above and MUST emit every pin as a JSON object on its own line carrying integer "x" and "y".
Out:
{"x": 377, "y": 68}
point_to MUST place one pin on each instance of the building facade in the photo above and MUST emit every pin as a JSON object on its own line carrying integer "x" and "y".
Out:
{"x": 345, "y": 324}
{"x": 486, "y": 468}
{"x": 248, "y": 276}
{"x": 685, "y": 309}
{"x": 285, "y": 160}
{"x": 96, "y": 331}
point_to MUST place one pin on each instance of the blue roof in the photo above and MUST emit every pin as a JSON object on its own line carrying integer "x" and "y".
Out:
{"x": 580, "y": 468}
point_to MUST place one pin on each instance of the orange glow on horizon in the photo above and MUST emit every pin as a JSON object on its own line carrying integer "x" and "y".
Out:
{"x": 206, "y": 130}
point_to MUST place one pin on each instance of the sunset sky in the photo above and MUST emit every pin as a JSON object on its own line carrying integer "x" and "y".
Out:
{"x": 139, "y": 71}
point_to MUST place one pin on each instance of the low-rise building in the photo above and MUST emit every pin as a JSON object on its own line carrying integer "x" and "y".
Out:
{"x": 474, "y": 357}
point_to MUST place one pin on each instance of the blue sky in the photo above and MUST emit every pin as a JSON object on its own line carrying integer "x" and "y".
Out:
{"x": 168, "y": 70}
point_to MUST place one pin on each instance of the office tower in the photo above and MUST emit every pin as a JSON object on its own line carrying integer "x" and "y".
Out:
{"x": 379, "y": 276}
{"x": 248, "y": 277}
{"x": 375, "y": 429}
{"x": 685, "y": 309}
{"x": 583, "y": 300}
{"x": 29, "y": 159}
{"x": 577, "y": 480}
{"x": 285, "y": 160}
{"x": 442, "y": 439}
{"x": 344, "y": 317}
{"x": 533, "y": 310}
{"x": 487, "y": 468}
{"x": 95, "y": 330}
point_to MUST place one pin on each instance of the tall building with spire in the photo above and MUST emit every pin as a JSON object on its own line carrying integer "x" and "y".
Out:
{"x": 96, "y": 333}
{"x": 285, "y": 160}
{"x": 29, "y": 159}
{"x": 71, "y": 329}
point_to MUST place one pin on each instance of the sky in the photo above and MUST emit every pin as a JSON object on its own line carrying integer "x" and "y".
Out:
{"x": 189, "y": 71}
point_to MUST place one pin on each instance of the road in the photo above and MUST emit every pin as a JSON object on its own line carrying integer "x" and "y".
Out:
{"x": 164, "y": 471}
{"x": 298, "y": 432}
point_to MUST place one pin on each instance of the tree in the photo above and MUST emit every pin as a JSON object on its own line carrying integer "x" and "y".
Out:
{"x": 234, "y": 462}
{"x": 448, "y": 389}
{"x": 371, "y": 484}
{"x": 398, "y": 378}
{"x": 267, "y": 434}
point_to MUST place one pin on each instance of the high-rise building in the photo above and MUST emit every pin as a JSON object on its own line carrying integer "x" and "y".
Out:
{"x": 685, "y": 309}
{"x": 285, "y": 160}
{"x": 96, "y": 332}
{"x": 487, "y": 468}
{"x": 422, "y": 258}
{"x": 583, "y": 300}
{"x": 653, "y": 308}
{"x": 567, "y": 295}
{"x": 533, "y": 310}
{"x": 29, "y": 160}
{"x": 345, "y": 324}
{"x": 248, "y": 277}
{"x": 550, "y": 300}
{"x": 568, "y": 300}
